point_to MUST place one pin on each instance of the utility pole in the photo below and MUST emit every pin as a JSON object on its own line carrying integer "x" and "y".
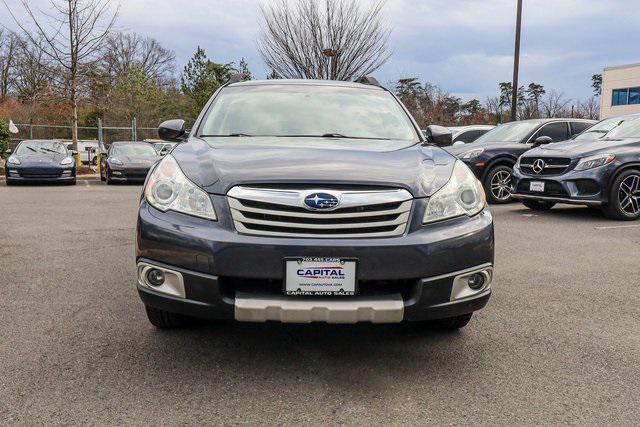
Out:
{"x": 516, "y": 63}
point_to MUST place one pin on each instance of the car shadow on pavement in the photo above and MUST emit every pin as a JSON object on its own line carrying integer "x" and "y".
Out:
{"x": 342, "y": 355}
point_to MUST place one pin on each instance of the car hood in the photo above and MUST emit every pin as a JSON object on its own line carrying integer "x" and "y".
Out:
{"x": 487, "y": 146}
{"x": 577, "y": 149}
{"x": 145, "y": 160}
{"x": 41, "y": 159}
{"x": 421, "y": 170}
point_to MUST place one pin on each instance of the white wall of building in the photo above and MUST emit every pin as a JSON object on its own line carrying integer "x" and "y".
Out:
{"x": 625, "y": 76}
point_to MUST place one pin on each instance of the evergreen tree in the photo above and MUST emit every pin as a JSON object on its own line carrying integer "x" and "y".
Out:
{"x": 202, "y": 77}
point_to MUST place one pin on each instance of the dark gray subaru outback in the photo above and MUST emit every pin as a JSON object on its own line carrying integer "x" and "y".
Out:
{"x": 311, "y": 201}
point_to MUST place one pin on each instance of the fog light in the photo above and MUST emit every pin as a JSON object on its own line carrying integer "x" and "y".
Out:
{"x": 476, "y": 281}
{"x": 155, "y": 277}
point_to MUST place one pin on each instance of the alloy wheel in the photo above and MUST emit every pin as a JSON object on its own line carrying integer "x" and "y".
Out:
{"x": 501, "y": 185}
{"x": 629, "y": 195}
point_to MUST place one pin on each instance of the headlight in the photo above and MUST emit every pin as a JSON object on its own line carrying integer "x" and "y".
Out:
{"x": 169, "y": 189}
{"x": 594, "y": 161}
{"x": 517, "y": 166}
{"x": 462, "y": 195}
{"x": 472, "y": 154}
{"x": 67, "y": 161}
{"x": 13, "y": 160}
{"x": 115, "y": 161}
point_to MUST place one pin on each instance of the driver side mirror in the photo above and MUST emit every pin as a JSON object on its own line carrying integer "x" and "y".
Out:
{"x": 172, "y": 130}
{"x": 439, "y": 135}
{"x": 458, "y": 143}
{"x": 73, "y": 153}
{"x": 541, "y": 140}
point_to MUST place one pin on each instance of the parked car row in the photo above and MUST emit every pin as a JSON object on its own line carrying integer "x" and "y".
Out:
{"x": 53, "y": 160}
{"x": 548, "y": 161}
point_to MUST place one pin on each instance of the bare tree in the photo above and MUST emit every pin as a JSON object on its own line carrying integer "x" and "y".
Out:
{"x": 555, "y": 104}
{"x": 329, "y": 39}
{"x": 71, "y": 34}
{"x": 589, "y": 108}
{"x": 124, "y": 52}
{"x": 8, "y": 46}
{"x": 33, "y": 75}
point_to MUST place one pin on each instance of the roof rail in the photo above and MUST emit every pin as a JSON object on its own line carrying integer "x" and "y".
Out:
{"x": 235, "y": 78}
{"x": 368, "y": 80}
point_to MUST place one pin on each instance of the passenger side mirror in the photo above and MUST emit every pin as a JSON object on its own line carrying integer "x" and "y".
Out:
{"x": 458, "y": 143}
{"x": 541, "y": 140}
{"x": 8, "y": 151}
{"x": 73, "y": 152}
{"x": 172, "y": 130}
{"x": 439, "y": 135}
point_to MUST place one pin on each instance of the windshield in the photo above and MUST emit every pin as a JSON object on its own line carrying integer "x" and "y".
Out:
{"x": 619, "y": 127}
{"x": 30, "y": 147}
{"x": 307, "y": 111}
{"x": 133, "y": 150}
{"x": 509, "y": 132}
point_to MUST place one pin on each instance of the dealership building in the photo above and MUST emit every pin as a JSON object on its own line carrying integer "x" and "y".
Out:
{"x": 620, "y": 90}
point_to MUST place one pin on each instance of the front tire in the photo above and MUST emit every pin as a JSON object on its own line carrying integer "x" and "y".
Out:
{"x": 538, "y": 206}
{"x": 108, "y": 179}
{"x": 497, "y": 185}
{"x": 624, "y": 197}
{"x": 164, "y": 319}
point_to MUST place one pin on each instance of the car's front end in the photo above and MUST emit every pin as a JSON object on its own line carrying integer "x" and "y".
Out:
{"x": 308, "y": 229}
{"x": 129, "y": 162}
{"x": 130, "y": 171}
{"x": 32, "y": 163}
{"x": 546, "y": 176}
{"x": 584, "y": 170}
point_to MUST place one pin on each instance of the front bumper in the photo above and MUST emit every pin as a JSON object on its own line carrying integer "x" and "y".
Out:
{"x": 227, "y": 275}
{"x": 17, "y": 173}
{"x": 128, "y": 174}
{"x": 588, "y": 187}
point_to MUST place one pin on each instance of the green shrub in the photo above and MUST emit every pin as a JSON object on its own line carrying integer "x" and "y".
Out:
{"x": 4, "y": 137}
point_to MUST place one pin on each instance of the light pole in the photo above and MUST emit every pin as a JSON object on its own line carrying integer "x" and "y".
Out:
{"x": 331, "y": 54}
{"x": 516, "y": 63}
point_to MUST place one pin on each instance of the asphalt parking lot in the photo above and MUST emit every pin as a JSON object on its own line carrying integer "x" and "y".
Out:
{"x": 558, "y": 343}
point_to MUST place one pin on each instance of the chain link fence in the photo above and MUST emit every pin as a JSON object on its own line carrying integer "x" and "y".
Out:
{"x": 104, "y": 134}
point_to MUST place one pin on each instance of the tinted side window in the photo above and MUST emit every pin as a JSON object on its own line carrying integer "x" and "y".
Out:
{"x": 468, "y": 136}
{"x": 577, "y": 127}
{"x": 556, "y": 131}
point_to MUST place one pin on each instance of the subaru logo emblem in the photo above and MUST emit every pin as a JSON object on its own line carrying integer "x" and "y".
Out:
{"x": 538, "y": 165}
{"x": 320, "y": 201}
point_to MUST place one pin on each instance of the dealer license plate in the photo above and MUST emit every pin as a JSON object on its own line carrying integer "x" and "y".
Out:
{"x": 320, "y": 276}
{"x": 537, "y": 186}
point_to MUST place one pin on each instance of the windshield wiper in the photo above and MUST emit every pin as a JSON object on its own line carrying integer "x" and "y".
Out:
{"x": 51, "y": 151}
{"x": 230, "y": 134}
{"x": 339, "y": 135}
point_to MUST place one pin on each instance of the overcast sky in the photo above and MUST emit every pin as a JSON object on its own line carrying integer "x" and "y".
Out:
{"x": 465, "y": 46}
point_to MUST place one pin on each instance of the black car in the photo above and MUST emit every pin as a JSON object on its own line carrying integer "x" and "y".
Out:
{"x": 127, "y": 161}
{"x": 492, "y": 156}
{"x": 40, "y": 161}
{"x": 311, "y": 201}
{"x": 600, "y": 168}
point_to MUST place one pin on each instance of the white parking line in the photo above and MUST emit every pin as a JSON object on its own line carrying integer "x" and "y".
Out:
{"x": 609, "y": 227}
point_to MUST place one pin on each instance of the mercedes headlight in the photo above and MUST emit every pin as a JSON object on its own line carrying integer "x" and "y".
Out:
{"x": 472, "y": 154}
{"x": 67, "y": 161}
{"x": 594, "y": 161}
{"x": 169, "y": 189}
{"x": 462, "y": 195}
{"x": 115, "y": 161}
{"x": 13, "y": 160}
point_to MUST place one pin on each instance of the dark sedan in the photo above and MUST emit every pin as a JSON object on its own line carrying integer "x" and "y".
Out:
{"x": 128, "y": 162}
{"x": 603, "y": 172}
{"x": 40, "y": 161}
{"x": 492, "y": 156}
